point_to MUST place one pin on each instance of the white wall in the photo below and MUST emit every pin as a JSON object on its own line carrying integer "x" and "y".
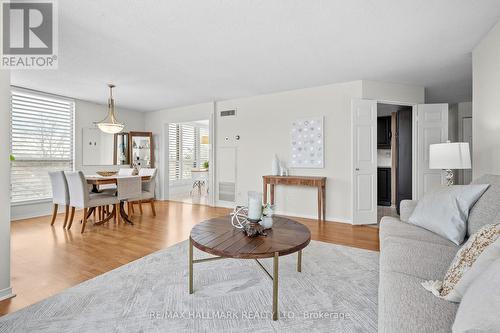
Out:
{"x": 86, "y": 113}
{"x": 486, "y": 104}
{"x": 5, "y": 289}
{"x": 157, "y": 121}
{"x": 263, "y": 123}
{"x": 393, "y": 92}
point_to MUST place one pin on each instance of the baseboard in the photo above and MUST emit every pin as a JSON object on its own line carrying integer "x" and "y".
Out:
{"x": 315, "y": 217}
{"x": 6, "y": 294}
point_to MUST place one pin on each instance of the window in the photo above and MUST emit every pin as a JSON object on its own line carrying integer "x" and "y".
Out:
{"x": 41, "y": 141}
{"x": 185, "y": 150}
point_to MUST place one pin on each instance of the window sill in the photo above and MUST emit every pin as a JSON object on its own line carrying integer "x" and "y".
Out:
{"x": 31, "y": 202}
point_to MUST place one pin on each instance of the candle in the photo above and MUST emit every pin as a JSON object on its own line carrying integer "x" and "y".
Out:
{"x": 254, "y": 206}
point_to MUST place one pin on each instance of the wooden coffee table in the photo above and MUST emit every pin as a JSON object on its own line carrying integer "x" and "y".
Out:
{"x": 218, "y": 237}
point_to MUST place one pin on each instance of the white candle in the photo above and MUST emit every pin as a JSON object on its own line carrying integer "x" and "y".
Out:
{"x": 254, "y": 206}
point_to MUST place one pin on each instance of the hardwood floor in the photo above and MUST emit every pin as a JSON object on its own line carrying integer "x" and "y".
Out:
{"x": 47, "y": 260}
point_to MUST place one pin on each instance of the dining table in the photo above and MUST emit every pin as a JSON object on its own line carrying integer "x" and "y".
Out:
{"x": 98, "y": 180}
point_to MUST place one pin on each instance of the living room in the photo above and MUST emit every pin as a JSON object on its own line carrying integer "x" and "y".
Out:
{"x": 149, "y": 140}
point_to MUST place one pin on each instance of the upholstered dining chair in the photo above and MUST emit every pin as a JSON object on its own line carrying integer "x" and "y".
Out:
{"x": 129, "y": 190}
{"x": 148, "y": 189}
{"x": 125, "y": 172}
{"x": 60, "y": 195}
{"x": 80, "y": 197}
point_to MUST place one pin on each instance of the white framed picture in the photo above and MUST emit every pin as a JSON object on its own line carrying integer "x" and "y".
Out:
{"x": 307, "y": 143}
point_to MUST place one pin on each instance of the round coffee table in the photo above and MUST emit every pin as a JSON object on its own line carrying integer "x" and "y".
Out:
{"x": 218, "y": 237}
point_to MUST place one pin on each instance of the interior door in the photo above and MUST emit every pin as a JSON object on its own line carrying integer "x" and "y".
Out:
{"x": 364, "y": 179}
{"x": 467, "y": 137}
{"x": 432, "y": 124}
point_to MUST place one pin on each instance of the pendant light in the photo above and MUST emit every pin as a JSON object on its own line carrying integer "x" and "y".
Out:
{"x": 110, "y": 124}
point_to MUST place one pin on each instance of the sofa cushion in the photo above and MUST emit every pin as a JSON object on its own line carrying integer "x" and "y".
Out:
{"x": 472, "y": 260}
{"x": 417, "y": 258}
{"x": 487, "y": 208}
{"x": 478, "y": 311}
{"x": 404, "y": 306}
{"x": 445, "y": 210}
{"x": 393, "y": 227}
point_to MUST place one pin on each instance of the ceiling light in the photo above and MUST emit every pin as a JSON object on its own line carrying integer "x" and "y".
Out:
{"x": 110, "y": 124}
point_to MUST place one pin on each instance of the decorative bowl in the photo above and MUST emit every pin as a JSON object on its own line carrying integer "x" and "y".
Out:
{"x": 107, "y": 173}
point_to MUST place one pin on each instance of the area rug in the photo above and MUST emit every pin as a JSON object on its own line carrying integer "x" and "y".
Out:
{"x": 336, "y": 292}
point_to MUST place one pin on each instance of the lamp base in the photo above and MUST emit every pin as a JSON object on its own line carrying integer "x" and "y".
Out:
{"x": 449, "y": 177}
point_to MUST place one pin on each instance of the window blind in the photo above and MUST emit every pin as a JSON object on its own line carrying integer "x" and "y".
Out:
{"x": 174, "y": 166}
{"x": 185, "y": 150}
{"x": 188, "y": 150}
{"x": 41, "y": 141}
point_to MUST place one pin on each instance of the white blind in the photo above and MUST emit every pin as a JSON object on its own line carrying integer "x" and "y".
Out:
{"x": 188, "y": 150}
{"x": 185, "y": 150}
{"x": 41, "y": 141}
{"x": 174, "y": 166}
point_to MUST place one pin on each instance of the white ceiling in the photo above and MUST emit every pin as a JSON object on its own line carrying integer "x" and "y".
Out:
{"x": 178, "y": 52}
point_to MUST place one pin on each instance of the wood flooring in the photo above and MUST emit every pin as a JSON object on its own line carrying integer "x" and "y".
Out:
{"x": 48, "y": 259}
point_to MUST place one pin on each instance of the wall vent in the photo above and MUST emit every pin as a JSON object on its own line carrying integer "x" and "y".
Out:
{"x": 228, "y": 113}
{"x": 227, "y": 191}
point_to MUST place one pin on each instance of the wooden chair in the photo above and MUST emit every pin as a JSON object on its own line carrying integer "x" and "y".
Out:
{"x": 81, "y": 198}
{"x": 60, "y": 195}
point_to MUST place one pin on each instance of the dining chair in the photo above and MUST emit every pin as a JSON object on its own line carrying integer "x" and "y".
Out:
{"x": 60, "y": 195}
{"x": 129, "y": 190}
{"x": 125, "y": 172}
{"x": 80, "y": 197}
{"x": 143, "y": 172}
{"x": 148, "y": 189}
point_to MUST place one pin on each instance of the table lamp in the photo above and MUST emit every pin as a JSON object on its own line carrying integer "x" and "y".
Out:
{"x": 449, "y": 156}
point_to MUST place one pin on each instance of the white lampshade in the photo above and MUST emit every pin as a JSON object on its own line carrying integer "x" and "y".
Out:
{"x": 450, "y": 155}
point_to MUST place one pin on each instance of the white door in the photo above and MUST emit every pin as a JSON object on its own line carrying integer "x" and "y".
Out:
{"x": 364, "y": 179}
{"x": 432, "y": 127}
{"x": 467, "y": 137}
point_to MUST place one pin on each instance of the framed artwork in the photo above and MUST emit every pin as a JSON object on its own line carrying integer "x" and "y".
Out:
{"x": 307, "y": 143}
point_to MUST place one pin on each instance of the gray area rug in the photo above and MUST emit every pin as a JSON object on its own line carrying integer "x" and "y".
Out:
{"x": 336, "y": 292}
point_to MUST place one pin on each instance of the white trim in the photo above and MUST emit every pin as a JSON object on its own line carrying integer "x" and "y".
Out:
{"x": 414, "y": 155}
{"x": 315, "y": 217}
{"x": 6, "y": 294}
{"x": 30, "y": 202}
{"x": 212, "y": 154}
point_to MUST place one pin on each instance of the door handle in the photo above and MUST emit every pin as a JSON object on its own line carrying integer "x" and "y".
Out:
{"x": 357, "y": 169}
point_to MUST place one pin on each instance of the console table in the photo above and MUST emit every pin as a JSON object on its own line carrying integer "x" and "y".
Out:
{"x": 318, "y": 182}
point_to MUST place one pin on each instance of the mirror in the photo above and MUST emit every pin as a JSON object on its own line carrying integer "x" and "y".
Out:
{"x": 101, "y": 148}
{"x": 121, "y": 154}
{"x": 97, "y": 147}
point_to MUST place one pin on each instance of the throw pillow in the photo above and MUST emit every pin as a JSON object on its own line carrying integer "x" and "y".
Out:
{"x": 446, "y": 210}
{"x": 471, "y": 260}
{"x": 478, "y": 311}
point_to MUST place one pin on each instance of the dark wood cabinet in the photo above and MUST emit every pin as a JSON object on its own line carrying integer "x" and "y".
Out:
{"x": 384, "y": 134}
{"x": 384, "y": 186}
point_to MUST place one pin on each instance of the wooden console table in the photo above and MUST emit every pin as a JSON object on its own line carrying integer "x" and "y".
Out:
{"x": 318, "y": 182}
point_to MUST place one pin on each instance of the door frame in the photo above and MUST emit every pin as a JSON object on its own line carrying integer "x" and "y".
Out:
{"x": 164, "y": 174}
{"x": 414, "y": 174}
{"x": 414, "y": 146}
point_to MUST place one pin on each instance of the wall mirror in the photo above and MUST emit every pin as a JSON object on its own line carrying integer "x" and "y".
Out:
{"x": 121, "y": 154}
{"x": 97, "y": 147}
